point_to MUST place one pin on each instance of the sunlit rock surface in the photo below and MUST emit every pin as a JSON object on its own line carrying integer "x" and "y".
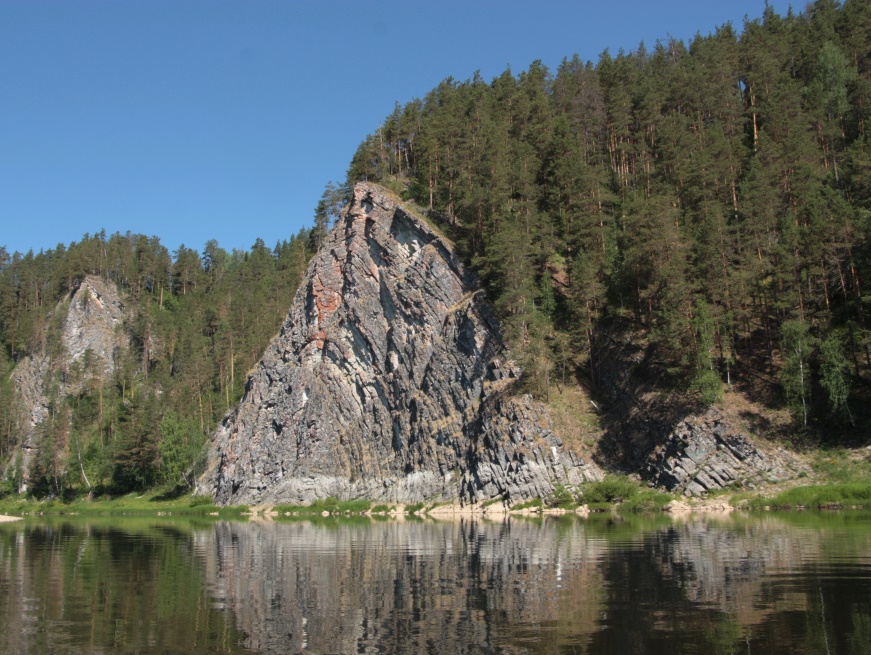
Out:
{"x": 386, "y": 381}
{"x": 80, "y": 351}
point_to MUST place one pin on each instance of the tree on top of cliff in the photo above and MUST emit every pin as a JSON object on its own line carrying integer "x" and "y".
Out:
{"x": 730, "y": 171}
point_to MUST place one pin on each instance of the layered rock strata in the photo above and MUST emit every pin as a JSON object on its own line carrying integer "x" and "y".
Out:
{"x": 669, "y": 440}
{"x": 704, "y": 452}
{"x": 386, "y": 381}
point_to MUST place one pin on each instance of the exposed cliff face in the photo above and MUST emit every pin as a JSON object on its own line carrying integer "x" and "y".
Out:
{"x": 88, "y": 339}
{"x": 671, "y": 441}
{"x": 706, "y": 451}
{"x": 386, "y": 382}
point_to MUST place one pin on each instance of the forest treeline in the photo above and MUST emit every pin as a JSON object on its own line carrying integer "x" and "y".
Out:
{"x": 713, "y": 199}
{"x": 196, "y": 323}
{"x": 710, "y": 201}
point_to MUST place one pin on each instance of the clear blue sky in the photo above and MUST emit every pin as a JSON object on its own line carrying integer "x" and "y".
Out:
{"x": 199, "y": 119}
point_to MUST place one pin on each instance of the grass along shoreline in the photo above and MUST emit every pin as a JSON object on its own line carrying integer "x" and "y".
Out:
{"x": 838, "y": 479}
{"x": 154, "y": 503}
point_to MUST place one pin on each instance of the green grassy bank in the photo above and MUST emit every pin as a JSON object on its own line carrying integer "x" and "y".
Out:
{"x": 155, "y": 503}
{"x": 837, "y": 479}
{"x": 841, "y": 479}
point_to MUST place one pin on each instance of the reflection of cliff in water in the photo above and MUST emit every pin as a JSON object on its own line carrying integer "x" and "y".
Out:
{"x": 793, "y": 583}
{"x": 597, "y": 586}
{"x": 403, "y": 587}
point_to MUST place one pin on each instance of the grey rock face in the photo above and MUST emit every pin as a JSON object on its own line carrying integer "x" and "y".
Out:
{"x": 704, "y": 452}
{"x": 385, "y": 382}
{"x": 669, "y": 440}
{"x": 93, "y": 319}
{"x": 89, "y": 338}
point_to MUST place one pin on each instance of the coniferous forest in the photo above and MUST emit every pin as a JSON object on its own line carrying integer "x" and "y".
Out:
{"x": 196, "y": 323}
{"x": 709, "y": 201}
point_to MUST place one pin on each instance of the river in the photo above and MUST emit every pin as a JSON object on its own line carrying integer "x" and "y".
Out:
{"x": 772, "y": 583}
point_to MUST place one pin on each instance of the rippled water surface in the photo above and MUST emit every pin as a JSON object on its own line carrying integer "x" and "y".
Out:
{"x": 785, "y": 583}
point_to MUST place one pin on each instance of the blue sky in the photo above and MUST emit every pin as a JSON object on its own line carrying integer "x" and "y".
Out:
{"x": 216, "y": 119}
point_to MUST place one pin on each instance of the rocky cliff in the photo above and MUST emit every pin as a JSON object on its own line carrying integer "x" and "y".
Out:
{"x": 387, "y": 381}
{"x": 671, "y": 441}
{"x": 82, "y": 348}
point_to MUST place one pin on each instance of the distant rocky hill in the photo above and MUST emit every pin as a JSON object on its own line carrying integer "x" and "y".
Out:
{"x": 388, "y": 380}
{"x": 83, "y": 348}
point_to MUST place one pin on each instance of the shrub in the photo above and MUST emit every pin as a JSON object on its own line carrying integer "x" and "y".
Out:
{"x": 529, "y": 504}
{"x": 329, "y": 504}
{"x": 561, "y": 497}
{"x": 646, "y": 500}
{"x": 355, "y": 506}
{"x": 197, "y": 501}
{"x": 7, "y": 487}
{"x": 708, "y": 385}
{"x": 613, "y": 489}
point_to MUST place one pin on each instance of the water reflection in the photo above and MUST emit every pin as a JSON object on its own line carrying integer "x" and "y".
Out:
{"x": 106, "y": 587}
{"x": 777, "y": 584}
{"x": 549, "y": 586}
{"x": 402, "y": 587}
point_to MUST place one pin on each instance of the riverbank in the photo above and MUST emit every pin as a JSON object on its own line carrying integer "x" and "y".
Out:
{"x": 147, "y": 504}
{"x": 9, "y": 519}
{"x": 838, "y": 479}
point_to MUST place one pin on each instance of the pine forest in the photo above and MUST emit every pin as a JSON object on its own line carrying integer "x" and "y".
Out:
{"x": 708, "y": 201}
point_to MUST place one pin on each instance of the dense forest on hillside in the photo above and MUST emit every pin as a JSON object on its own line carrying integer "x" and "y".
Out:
{"x": 196, "y": 323}
{"x": 710, "y": 199}
{"x": 709, "y": 202}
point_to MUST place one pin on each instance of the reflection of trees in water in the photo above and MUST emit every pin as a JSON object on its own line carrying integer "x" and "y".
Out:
{"x": 79, "y": 587}
{"x": 595, "y": 586}
{"x": 736, "y": 584}
{"x": 478, "y": 587}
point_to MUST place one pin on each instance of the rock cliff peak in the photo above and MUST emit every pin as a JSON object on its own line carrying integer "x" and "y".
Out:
{"x": 387, "y": 381}
{"x": 84, "y": 347}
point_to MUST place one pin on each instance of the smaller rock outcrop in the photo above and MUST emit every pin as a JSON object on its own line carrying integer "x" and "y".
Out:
{"x": 667, "y": 438}
{"x": 84, "y": 348}
{"x": 704, "y": 452}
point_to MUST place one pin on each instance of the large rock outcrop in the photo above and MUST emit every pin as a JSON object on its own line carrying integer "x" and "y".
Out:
{"x": 386, "y": 381}
{"x": 83, "y": 349}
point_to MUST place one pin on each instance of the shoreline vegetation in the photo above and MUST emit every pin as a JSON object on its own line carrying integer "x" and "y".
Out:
{"x": 842, "y": 480}
{"x": 658, "y": 232}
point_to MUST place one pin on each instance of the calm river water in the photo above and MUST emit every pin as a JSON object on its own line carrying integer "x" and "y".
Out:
{"x": 780, "y": 583}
